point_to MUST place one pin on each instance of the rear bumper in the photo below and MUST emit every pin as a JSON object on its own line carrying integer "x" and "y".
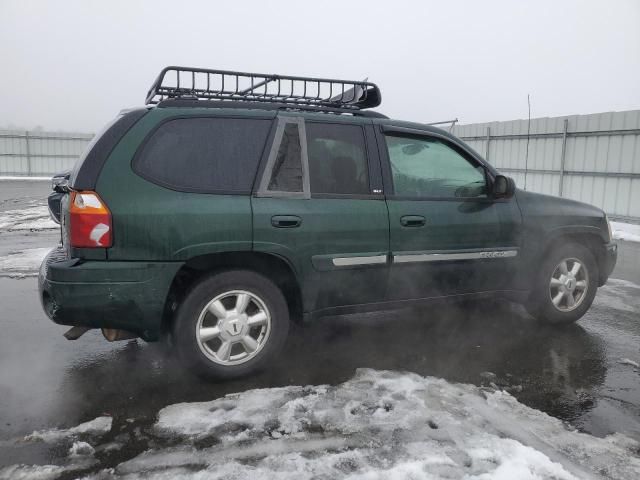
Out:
{"x": 608, "y": 261}
{"x": 96, "y": 294}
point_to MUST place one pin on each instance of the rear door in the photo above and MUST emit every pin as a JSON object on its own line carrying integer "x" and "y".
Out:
{"x": 448, "y": 235}
{"x": 319, "y": 204}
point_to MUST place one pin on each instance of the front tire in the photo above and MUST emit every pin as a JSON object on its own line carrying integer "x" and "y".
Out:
{"x": 231, "y": 324}
{"x": 565, "y": 285}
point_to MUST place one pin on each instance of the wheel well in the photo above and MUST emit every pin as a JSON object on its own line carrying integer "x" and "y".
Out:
{"x": 590, "y": 241}
{"x": 273, "y": 267}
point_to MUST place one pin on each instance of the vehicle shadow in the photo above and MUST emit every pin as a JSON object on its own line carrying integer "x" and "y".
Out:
{"x": 552, "y": 369}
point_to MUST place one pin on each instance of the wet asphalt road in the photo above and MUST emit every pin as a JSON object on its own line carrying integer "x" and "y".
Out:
{"x": 577, "y": 374}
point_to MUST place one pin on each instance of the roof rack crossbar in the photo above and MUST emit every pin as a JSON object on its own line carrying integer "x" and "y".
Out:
{"x": 198, "y": 83}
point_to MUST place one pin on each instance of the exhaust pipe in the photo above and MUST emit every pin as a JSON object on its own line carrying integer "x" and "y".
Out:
{"x": 115, "y": 334}
{"x": 75, "y": 333}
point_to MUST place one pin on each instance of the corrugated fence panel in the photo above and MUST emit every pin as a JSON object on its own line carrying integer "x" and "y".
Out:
{"x": 37, "y": 153}
{"x": 601, "y": 163}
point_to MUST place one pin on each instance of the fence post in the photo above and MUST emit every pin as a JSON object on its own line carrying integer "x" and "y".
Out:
{"x": 486, "y": 152}
{"x": 563, "y": 155}
{"x": 26, "y": 141}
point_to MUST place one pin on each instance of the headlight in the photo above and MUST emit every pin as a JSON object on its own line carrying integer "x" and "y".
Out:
{"x": 609, "y": 227}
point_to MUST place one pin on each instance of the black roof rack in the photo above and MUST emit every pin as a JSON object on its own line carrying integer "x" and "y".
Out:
{"x": 204, "y": 84}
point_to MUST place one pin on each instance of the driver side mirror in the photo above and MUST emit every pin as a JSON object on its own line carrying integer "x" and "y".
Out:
{"x": 503, "y": 187}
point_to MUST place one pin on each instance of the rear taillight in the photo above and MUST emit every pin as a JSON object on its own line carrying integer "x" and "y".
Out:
{"x": 89, "y": 221}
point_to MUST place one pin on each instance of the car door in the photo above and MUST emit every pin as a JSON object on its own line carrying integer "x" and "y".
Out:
{"x": 319, "y": 204}
{"x": 448, "y": 235}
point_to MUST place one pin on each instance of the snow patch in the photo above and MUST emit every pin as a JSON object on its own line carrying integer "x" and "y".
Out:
{"x": 33, "y": 218}
{"x": 627, "y": 361}
{"x": 31, "y": 472}
{"x": 97, "y": 426}
{"x": 625, "y": 231}
{"x": 15, "y": 177}
{"x": 24, "y": 263}
{"x": 81, "y": 449}
{"x": 620, "y": 295}
{"x": 47, "y": 472}
{"x": 379, "y": 425}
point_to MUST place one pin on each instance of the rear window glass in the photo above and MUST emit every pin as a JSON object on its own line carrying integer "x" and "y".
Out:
{"x": 337, "y": 159}
{"x": 204, "y": 154}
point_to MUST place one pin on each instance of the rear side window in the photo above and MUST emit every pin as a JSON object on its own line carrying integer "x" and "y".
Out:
{"x": 337, "y": 159}
{"x": 204, "y": 154}
{"x": 286, "y": 175}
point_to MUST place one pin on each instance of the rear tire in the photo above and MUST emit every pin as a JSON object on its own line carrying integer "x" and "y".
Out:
{"x": 565, "y": 285}
{"x": 231, "y": 324}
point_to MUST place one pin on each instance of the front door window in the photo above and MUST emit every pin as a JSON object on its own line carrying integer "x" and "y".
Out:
{"x": 428, "y": 167}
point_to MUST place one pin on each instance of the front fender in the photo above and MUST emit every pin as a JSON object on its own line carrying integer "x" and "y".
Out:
{"x": 547, "y": 219}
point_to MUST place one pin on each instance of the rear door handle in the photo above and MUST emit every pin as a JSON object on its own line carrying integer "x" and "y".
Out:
{"x": 286, "y": 221}
{"x": 412, "y": 221}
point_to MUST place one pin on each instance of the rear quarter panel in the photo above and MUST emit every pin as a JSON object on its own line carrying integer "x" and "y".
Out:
{"x": 151, "y": 222}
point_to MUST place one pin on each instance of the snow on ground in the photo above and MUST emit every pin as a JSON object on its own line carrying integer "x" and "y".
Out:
{"x": 15, "y": 177}
{"x": 96, "y": 426}
{"x": 47, "y": 472}
{"x": 31, "y": 218}
{"x": 80, "y": 453}
{"x": 620, "y": 295}
{"x": 31, "y": 472}
{"x": 378, "y": 425}
{"x": 627, "y": 361}
{"x": 625, "y": 231}
{"x": 22, "y": 263}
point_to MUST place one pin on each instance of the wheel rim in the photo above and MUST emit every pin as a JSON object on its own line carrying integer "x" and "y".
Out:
{"x": 569, "y": 284}
{"x": 233, "y": 327}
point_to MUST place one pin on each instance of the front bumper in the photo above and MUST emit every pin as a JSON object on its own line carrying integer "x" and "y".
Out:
{"x": 106, "y": 294}
{"x": 608, "y": 261}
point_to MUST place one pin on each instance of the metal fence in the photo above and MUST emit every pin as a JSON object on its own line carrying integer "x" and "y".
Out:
{"x": 591, "y": 158}
{"x": 34, "y": 153}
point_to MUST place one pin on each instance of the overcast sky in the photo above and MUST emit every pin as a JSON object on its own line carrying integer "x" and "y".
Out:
{"x": 72, "y": 65}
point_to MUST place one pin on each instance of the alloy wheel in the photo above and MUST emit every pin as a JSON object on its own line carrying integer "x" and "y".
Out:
{"x": 569, "y": 284}
{"x": 233, "y": 327}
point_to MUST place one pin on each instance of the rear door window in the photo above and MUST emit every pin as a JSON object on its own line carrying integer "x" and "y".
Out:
{"x": 216, "y": 155}
{"x": 337, "y": 159}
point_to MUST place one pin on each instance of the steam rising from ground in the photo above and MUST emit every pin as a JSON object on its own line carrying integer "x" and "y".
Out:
{"x": 383, "y": 425}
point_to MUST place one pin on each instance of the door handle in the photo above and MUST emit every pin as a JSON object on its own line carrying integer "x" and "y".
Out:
{"x": 412, "y": 221}
{"x": 286, "y": 221}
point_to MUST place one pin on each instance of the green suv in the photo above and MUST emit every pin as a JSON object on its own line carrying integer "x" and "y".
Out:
{"x": 234, "y": 203}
